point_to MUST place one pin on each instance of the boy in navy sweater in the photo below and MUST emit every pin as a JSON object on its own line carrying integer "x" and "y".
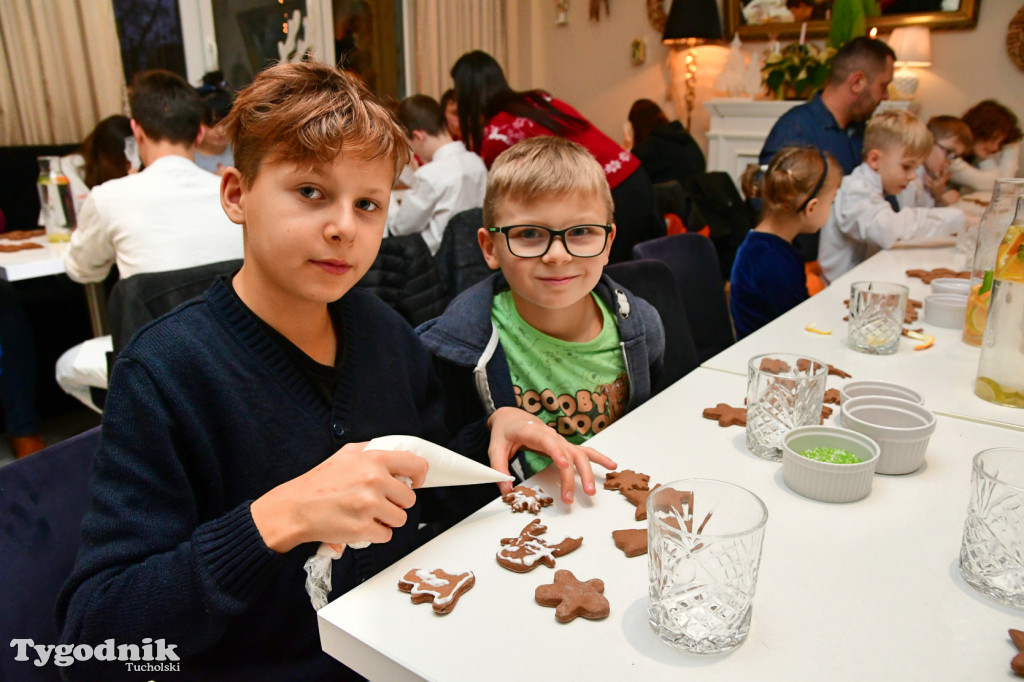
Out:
{"x": 234, "y": 429}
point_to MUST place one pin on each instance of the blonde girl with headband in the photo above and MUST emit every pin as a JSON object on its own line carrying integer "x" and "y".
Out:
{"x": 768, "y": 278}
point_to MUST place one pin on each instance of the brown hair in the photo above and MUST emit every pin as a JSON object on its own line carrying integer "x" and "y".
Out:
{"x": 989, "y": 119}
{"x": 898, "y": 128}
{"x": 103, "y": 150}
{"x": 166, "y": 107}
{"x": 310, "y": 113}
{"x": 942, "y": 127}
{"x": 421, "y": 112}
{"x": 544, "y": 167}
{"x": 792, "y": 176}
{"x": 645, "y": 116}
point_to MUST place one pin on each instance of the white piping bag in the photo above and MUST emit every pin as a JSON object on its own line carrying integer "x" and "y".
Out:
{"x": 446, "y": 468}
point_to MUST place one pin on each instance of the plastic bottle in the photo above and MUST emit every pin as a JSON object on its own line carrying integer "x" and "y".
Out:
{"x": 55, "y": 199}
{"x": 1001, "y": 366}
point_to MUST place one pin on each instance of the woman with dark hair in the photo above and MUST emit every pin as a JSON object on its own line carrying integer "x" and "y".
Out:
{"x": 109, "y": 152}
{"x": 666, "y": 151}
{"x": 493, "y": 117}
{"x": 995, "y": 153}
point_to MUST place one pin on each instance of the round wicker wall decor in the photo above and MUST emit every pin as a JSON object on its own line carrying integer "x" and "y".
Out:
{"x": 1015, "y": 38}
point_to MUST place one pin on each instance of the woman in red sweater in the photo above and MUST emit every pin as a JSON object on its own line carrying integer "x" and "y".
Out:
{"x": 493, "y": 117}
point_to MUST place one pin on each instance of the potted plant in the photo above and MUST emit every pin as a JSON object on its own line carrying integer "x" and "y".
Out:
{"x": 798, "y": 71}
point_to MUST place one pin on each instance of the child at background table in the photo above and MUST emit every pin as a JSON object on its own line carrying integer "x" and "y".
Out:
{"x": 952, "y": 139}
{"x": 550, "y": 333}
{"x": 862, "y": 222}
{"x": 768, "y": 275}
{"x": 234, "y": 428}
{"x": 995, "y": 151}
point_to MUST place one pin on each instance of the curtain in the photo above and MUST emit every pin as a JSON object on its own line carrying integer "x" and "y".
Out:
{"x": 445, "y": 30}
{"x": 63, "y": 64}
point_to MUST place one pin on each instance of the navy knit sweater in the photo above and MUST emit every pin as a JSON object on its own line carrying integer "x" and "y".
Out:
{"x": 206, "y": 412}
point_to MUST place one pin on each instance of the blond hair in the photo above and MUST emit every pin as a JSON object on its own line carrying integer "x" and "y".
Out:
{"x": 898, "y": 129}
{"x": 544, "y": 167}
{"x": 309, "y": 113}
{"x": 793, "y": 175}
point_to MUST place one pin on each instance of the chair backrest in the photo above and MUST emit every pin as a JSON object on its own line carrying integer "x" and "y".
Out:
{"x": 459, "y": 259}
{"x": 43, "y": 498}
{"x": 405, "y": 276}
{"x": 728, "y": 216}
{"x": 694, "y": 263}
{"x": 142, "y": 298}
{"x": 653, "y": 281}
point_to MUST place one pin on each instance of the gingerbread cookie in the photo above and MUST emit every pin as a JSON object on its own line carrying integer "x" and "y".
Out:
{"x": 639, "y": 499}
{"x": 927, "y": 276}
{"x": 774, "y": 366}
{"x": 632, "y": 542}
{"x": 524, "y": 498}
{"x": 833, "y": 396}
{"x": 443, "y": 589}
{"x": 804, "y": 365}
{"x": 572, "y": 597}
{"x": 1017, "y": 664}
{"x": 834, "y": 371}
{"x": 524, "y": 553}
{"x": 17, "y": 235}
{"x": 726, "y": 415}
{"x": 626, "y": 480}
{"x": 11, "y": 248}
{"x": 826, "y": 412}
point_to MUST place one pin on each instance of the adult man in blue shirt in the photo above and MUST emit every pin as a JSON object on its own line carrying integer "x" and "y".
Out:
{"x": 833, "y": 120}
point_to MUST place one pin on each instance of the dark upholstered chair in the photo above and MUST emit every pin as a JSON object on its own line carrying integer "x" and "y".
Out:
{"x": 459, "y": 259}
{"x": 405, "y": 276}
{"x": 652, "y": 281}
{"x": 43, "y": 498}
{"x": 693, "y": 261}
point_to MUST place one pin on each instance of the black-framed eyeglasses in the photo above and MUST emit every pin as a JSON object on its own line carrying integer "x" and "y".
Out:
{"x": 950, "y": 154}
{"x": 533, "y": 241}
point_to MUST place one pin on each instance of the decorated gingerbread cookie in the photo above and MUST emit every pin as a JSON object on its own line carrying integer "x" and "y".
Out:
{"x": 626, "y": 480}
{"x": 443, "y": 589}
{"x": 572, "y": 597}
{"x": 632, "y": 542}
{"x": 727, "y": 415}
{"x": 526, "y": 552}
{"x": 524, "y": 498}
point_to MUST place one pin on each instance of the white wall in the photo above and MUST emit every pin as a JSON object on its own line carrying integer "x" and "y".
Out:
{"x": 587, "y": 64}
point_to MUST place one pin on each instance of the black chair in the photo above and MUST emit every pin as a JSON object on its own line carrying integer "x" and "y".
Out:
{"x": 405, "y": 276}
{"x": 694, "y": 263}
{"x": 653, "y": 281}
{"x": 459, "y": 260}
{"x": 43, "y": 498}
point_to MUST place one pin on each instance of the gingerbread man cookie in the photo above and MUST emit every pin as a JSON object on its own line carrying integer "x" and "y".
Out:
{"x": 524, "y": 553}
{"x": 632, "y": 542}
{"x": 626, "y": 480}
{"x": 639, "y": 499}
{"x": 524, "y": 498}
{"x": 573, "y": 598}
{"x": 726, "y": 415}
{"x": 774, "y": 365}
{"x": 443, "y": 589}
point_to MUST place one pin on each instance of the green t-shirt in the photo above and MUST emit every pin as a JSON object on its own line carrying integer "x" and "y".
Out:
{"x": 578, "y": 389}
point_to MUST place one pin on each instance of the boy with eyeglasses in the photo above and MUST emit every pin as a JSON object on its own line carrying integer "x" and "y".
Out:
{"x": 952, "y": 139}
{"x": 549, "y": 333}
{"x": 862, "y": 222}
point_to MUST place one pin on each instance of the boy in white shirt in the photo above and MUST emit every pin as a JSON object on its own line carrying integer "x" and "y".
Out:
{"x": 862, "y": 221}
{"x": 952, "y": 140}
{"x": 451, "y": 179}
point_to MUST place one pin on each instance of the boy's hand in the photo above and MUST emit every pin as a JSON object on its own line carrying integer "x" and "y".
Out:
{"x": 513, "y": 429}
{"x": 352, "y": 496}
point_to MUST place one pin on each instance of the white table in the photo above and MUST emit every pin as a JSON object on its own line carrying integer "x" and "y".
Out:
{"x": 862, "y": 591}
{"x": 944, "y": 374}
{"x": 49, "y": 260}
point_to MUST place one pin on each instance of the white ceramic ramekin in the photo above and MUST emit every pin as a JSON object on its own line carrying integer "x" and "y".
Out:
{"x": 825, "y": 481}
{"x": 945, "y": 310}
{"x": 951, "y": 285}
{"x": 856, "y": 389}
{"x": 900, "y": 427}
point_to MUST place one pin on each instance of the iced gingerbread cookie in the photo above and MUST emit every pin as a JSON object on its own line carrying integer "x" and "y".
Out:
{"x": 632, "y": 542}
{"x": 524, "y": 498}
{"x": 443, "y": 589}
{"x": 526, "y": 552}
{"x": 572, "y": 597}
{"x": 625, "y": 480}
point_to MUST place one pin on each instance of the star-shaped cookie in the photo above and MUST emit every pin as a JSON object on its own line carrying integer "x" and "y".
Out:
{"x": 572, "y": 597}
{"x": 626, "y": 480}
{"x": 524, "y": 498}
